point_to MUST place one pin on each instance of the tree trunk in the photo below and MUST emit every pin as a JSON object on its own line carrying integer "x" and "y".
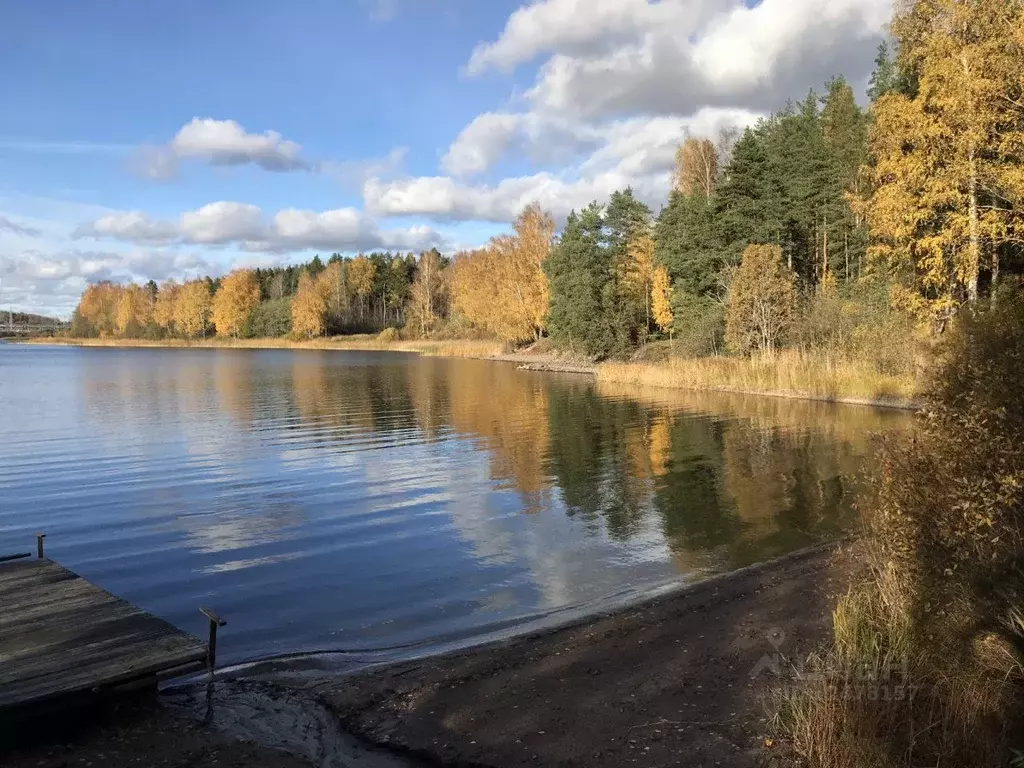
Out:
{"x": 846, "y": 251}
{"x": 973, "y": 257}
{"x": 824, "y": 247}
{"x": 995, "y": 276}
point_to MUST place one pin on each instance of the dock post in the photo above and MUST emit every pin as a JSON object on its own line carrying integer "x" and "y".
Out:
{"x": 211, "y": 645}
{"x": 39, "y": 544}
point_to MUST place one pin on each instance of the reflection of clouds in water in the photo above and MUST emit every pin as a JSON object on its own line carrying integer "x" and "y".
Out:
{"x": 229, "y": 531}
{"x": 567, "y": 561}
{"x": 240, "y": 565}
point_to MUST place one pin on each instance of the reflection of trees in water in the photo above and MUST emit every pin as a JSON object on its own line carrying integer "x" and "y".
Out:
{"x": 757, "y": 477}
{"x": 509, "y": 412}
{"x": 594, "y": 458}
{"x": 735, "y": 476}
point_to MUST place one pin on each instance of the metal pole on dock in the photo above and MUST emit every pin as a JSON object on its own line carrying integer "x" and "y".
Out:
{"x": 39, "y": 544}
{"x": 211, "y": 646}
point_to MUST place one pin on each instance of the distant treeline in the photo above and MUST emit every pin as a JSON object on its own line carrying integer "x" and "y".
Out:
{"x": 366, "y": 293}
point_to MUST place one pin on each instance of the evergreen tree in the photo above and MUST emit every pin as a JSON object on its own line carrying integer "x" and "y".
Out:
{"x": 883, "y": 79}
{"x": 687, "y": 242}
{"x": 578, "y": 273}
{"x": 748, "y": 201}
{"x": 623, "y": 310}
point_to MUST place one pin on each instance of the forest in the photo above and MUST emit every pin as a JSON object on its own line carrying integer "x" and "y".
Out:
{"x": 827, "y": 227}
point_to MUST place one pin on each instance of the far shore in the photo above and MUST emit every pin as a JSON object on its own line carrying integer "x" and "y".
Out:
{"x": 786, "y": 375}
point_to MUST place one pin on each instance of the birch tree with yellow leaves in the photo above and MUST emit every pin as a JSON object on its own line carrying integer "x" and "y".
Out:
{"x": 309, "y": 307}
{"x": 502, "y": 288}
{"x": 238, "y": 295}
{"x": 163, "y": 307}
{"x": 947, "y": 156}
{"x": 661, "y": 300}
{"x": 192, "y": 309}
{"x": 134, "y": 311}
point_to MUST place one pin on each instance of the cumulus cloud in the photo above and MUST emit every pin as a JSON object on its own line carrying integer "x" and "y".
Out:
{"x": 51, "y": 281}
{"x": 481, "y": 143}
{"x": 582, "y": 26}
{"x": 92, "y": 266}
{"x": 222, "y": 143}
{"x": 289, "y": 230}
{"x": 638, "y": 152}
{"x": 129, "y": 225}
{"x": 612, "y": 57}
{"x": 541, "y": 138}
{"x": 14, "y": 228}
{"x": 620, "y": 83}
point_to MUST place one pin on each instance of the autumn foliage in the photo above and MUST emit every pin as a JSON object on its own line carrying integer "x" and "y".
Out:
{"x": 238, "y": 295}
{"x": 502, "y": 287}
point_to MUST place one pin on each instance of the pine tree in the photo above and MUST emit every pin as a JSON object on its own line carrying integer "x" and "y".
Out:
{"x": 623, "y": 309}
{"x": 749, "y": 202}
{"x": 883, "y": 78}
{"x": 687, "y": 242}
{"x": 577, "y": 272}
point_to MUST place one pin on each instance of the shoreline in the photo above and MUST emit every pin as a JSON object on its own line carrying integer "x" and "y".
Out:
{"x": 676, "y": 678}
{"x": 547, "y": 362}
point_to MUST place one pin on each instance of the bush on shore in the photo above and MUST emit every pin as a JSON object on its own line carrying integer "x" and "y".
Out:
{"x": 926, "y": 661}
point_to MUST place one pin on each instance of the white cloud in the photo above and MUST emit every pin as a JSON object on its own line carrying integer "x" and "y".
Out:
{"x": 582, "y": 26}
{"x": 51, "y": 281}
{"x": 290, "y": 230}
{"x": 623, "y": 82}
{"x": 443, "y": 198}
{"x": 481, "y": 143}
{"x": 222, "y": 143}
{"x": 611, "y": 57}
{"x": 220, "y": 223}
{"x": 129, "y": 225}
{"x": 638, "y": 152}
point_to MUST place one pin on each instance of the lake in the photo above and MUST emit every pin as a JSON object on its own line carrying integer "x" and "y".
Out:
{"x": 351, "y": 501}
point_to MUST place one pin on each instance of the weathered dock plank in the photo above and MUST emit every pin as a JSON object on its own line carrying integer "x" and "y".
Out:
{"x": 61, "y": 635}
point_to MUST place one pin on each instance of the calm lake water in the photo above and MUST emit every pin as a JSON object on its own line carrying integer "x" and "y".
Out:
{"x": 352, "y": 501}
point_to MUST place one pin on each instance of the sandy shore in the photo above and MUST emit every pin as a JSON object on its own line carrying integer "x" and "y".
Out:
{"x": 676, "y": 681}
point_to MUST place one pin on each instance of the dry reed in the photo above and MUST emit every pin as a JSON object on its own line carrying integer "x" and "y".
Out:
{"x": 789, "y": 372}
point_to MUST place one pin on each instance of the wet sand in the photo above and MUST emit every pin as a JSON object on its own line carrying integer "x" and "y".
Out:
{"x": 133, "y": 732}
{"x": 676, "y": 681}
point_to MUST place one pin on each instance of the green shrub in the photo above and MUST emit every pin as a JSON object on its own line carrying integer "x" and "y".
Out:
{"x": 270, "y": 319}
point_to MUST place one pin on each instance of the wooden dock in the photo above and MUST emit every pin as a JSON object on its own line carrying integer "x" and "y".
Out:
{"x": 61, "y": 636}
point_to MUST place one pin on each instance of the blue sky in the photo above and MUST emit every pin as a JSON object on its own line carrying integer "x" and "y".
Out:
{"x": 164, "y": 139}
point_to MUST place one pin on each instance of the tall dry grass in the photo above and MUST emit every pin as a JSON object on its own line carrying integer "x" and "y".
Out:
{"x": 787, "y": 372}
{"x": 926, "y": 663}
{"x": 466, "y": 348}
